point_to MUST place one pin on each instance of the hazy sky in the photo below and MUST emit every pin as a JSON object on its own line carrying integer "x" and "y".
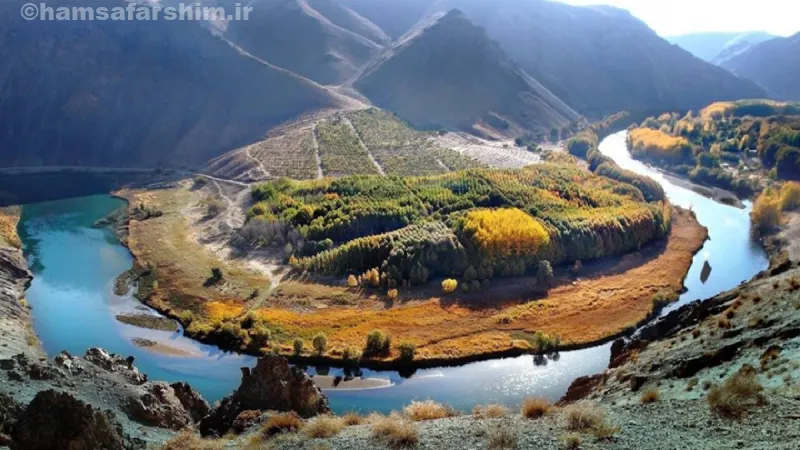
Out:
{"x": 673, "y": 17}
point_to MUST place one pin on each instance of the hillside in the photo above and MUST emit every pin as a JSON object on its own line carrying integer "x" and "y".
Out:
{"x": 135, "y": 93}
{"x": 599, "y": 60}
{"x": 295, "y": 36}
{"x": 773, "y": 64}
{"x": 716, "y": 47}
{"x": 452, "y": 75}
{"x": 395, "y": 17}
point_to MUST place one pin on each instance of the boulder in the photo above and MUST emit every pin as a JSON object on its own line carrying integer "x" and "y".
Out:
{"x": 270, "y": 386}
{"x": 115, "y": 364}
{"x": 59, "y": 421}
{"x": 159, "y": 407}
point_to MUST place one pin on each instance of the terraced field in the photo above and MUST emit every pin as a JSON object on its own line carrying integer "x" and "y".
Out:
{"x": 340, "y": 150}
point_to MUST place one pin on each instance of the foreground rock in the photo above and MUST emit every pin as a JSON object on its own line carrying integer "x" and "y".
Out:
{"x": 99, "y": 401}
{"x": 270, "y": 386}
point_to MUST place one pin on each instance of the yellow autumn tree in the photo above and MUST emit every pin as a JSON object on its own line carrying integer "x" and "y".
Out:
{"x": 790, "y": 196}
{"x": 507, "y": 231}
{"x": 766, "y": 213}
{"x": 352, "y": 281}
{"x": 449, "y": 286}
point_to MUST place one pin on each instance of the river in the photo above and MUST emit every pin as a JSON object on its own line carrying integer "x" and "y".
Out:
{"x": 74, "y": 308}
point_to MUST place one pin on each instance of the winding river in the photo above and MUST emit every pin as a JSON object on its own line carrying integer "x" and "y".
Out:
{"x": 74, "y": 308}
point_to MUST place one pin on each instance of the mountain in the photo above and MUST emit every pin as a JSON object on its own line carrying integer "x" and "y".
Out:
{"x": 452, "y": 75}
{"x": 600, "y": 59}
{"x": 773, "y": 64}
{"x": 716, "y": 47}
{"x": 135, "y": 93}
{"x": 395, "y": 17}
{"x": 292, "y": 34}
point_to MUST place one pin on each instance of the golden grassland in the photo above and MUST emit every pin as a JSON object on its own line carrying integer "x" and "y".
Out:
{"x": 9, "y": 218}
{"x": 455, "y": 327}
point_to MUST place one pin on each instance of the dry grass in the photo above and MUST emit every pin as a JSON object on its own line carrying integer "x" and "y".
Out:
{"x": 723, "y": 322}
{"x": 570, "y": 441}
{"x": 9, "y": 218}
{"x": 323, "y": 427}
{"x": 490, "y": 411}
{"x": 351, "y": 419}
{"x": 427, "y": 410}
{"x": 534, "y": 408}
{"x": 282, "y": 423}
{"x": 651, "y": 396}
{"x": 188, "y": 440}
{"x": 502, "y": 438}
{"x": 737, "y": 394}
{"x": 583, "y": 416}
{"x": 395, "y": 431}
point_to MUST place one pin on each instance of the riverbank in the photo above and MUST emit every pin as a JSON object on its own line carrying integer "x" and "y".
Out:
{"x": 607, "y": 299}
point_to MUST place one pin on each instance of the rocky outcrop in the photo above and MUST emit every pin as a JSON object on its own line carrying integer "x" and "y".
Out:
{"x": 271, "y": 386}
{"x": 16, "y": 332}
{"x": 159, "y": 407}
{"x": 192, "y": 401}
{"x": 56, "y": 421}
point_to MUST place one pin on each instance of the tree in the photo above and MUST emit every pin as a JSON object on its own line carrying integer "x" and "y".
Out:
{"x": 407, "y": 351}
{"x": 378, "y": 343}
{"x": 298, "y": 345}
{"x": 449, "y": 286}
{"x": 320, "y": 343}
{"x": 352, "y": 281}
{"x": 544, "y": 273}
{"x": 392, "y": 294}
{"x": 766, "y": 214}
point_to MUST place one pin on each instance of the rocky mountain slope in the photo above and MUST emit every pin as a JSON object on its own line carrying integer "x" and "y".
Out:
{"x": 452, "y": 75}
{"x": 135, "y": 93}
{"x": 773, "y": 64}
{"x": 319, "y": 40}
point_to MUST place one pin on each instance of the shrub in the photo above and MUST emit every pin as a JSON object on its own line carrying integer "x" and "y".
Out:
{"x": 651, "y": 396}
{"x": 407, "y": 351}
{"x": 282, "y": 423}
{"x": 352, "y": 419}
{"x": 323, "y": 427}
{"x": 320, "y": 343}
{"x": 449, "y": 286}
{"x": 534, "y": 408}
{"x": 392, "y": 294}
{"x": 502, "y": 438}
{"x": 737, "y": 394}
{"x": 571, "y": 441}
{"x": 790, "y": 196}
{"x": 493, "y": 411}
{"x": 351, "y": 354}
{"x": 188, "y": 440}
{"x": 583, "y": 416}
{"x": 298, "y": 345}
{"x": 427, "y": 410}
{"x": 395, "y": 432}
{"x": 544, "y": 273}
{"x": 378, "y": 344}
{"x": 214, "y": 207}
{"x": 352, "y": 281}
{"x": 263, "y": 192}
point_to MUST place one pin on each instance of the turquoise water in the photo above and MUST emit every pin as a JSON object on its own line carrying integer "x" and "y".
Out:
{"x": 75, "y": 266}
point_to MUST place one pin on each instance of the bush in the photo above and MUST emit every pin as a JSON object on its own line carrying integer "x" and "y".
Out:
{"x": 790, "y": 196}
{"x": 493, "y": 411}
{"x": 188, "y": 440}
{"x": 298, "y": 346}
{"x": 378, "y": 344}
{"x": 395, "y": 432}
{"x": 407, "y": 351}
{"x": 737, "y": 394}
{"x": 282, "y": 423}
{"x": 392, "y": 294}
{"x": 351, "y": 419}
{"x": 449, "y": 286}
{"x": 502, "y": 438}
{"x": 544, "y": 274}
{"x": 651, "y": 396}
{"x": 352, "y": 281}
{"x": 263, "y": 192}
{"x": 571, "y": 441}
{"x": 583, "y": 416}
{"x": 214, "y": 207}
{"x": 323, "y": 427}
{"x": 427, "y": 410}
{"x": 534, "y": 408}
{"x": 320, "y": 343}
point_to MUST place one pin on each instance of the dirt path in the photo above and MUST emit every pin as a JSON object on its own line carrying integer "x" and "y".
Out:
{"x": 257, "y": 162}
{"x": 315, "y": 144}
{"x": 364, "y": 146}
{"x": 442, "y": 165}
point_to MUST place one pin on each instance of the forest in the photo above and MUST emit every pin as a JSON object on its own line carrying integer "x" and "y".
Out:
{"x": 472, "y": 226}
{"x": 727, "y": 144}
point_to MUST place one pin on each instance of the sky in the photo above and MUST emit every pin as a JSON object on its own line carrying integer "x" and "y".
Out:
{"x": 676, "y": 17}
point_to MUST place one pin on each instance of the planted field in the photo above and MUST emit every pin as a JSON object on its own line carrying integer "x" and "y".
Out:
{"x": 340, "y": 150}
{"x": 402, "y": 150}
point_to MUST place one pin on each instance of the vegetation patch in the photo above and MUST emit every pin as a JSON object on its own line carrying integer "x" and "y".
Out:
{"x": 9, "y": 218}
{"x": 148, "y": 321}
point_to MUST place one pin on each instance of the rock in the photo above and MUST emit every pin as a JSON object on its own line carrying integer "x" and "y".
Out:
{"x": 10, "y": 411}
{"x": 582, "y": 387}
{"x": 115, "y": 363}
{"x": 192, "y": 401}
{"x": 15, "y": 375}
{"x": 271, "y": 385}
{"x": 59, "y": 421}
{"x": 159, "y": 407}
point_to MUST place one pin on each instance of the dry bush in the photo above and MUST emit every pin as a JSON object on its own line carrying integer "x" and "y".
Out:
{"x": 533, "y": 408}
{"x": 502, "y": 438}
{"x": 427, "y": 410}
{"x": 737, "y": 394}
{"x": 395, "y": 431}
{"x": 723, "y": 322}
{"x": 583, "y": 416}
{"x": 323, "y": 427}
{"x": 188, "y": 440}
{"x": 651, "y": 396}
{"x": 351, "y": 419}
{"x": 490, "y": 411}
{"x": 604, "y": 431}
{"x": 570, "y": 441}
{"x": 282, "y": 423}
